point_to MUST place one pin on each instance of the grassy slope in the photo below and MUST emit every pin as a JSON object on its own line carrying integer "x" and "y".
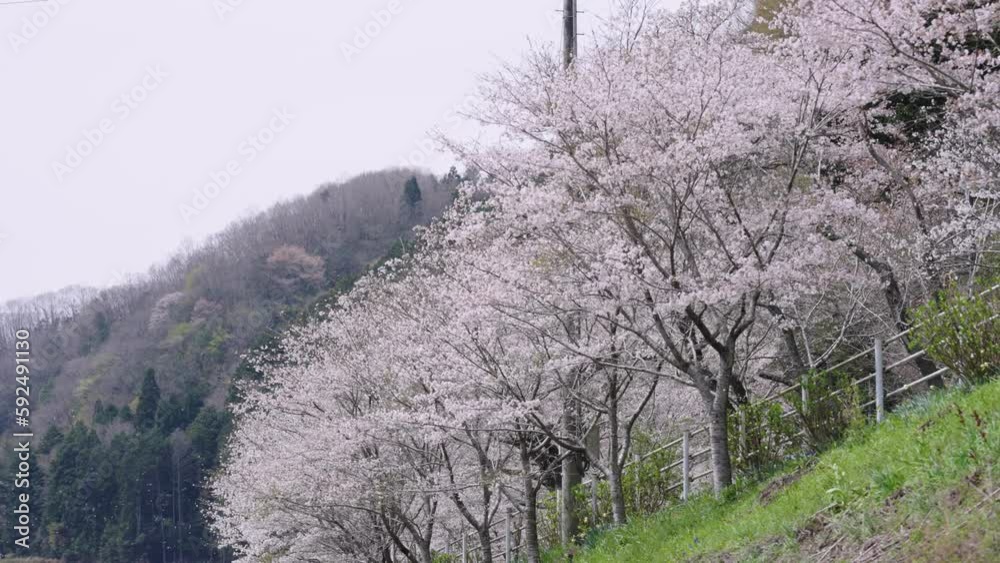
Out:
{"x": 920, "y": 487}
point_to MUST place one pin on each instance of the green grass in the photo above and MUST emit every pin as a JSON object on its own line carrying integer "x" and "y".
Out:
{"x": 915, "y": 488}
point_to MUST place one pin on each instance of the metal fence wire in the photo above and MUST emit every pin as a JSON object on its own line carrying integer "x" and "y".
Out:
{"x": 692, "y": 463}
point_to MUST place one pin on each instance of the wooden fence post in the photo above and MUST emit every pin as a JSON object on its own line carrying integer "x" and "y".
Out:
{"x": 593, "y": 499}
{"x": 507, "y": 534}
{"x": 559, "y": 510}
{"x": 744, "y": 449}
{"x": 879, "y": 382}
{"x": 805, "y": 394}
{"x": 636, "y": 460}
{"x": 686, "y": 466}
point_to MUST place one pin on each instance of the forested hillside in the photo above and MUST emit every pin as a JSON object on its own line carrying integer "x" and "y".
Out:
{"x": 131, "y": 382}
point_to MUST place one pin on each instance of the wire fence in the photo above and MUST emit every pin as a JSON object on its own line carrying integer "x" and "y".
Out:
{"x": 506, "y": 532}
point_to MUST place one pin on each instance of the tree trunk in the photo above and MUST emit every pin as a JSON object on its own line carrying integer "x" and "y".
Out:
{"x": 925, "y": 365}
{"x": 893, "y": 297}
{"x": 179, "y": 521}
{"x": 722, "y": 471}
{"x": 617, "y": 494}
{"x": 426, "y": 555}
{"x": 485, "y": 542}
{"x": 159, "y": 514}
{"x": 532, "y": 552}
{"x": 615, "y": 462}
{"x": 571, "y": 477}
{"x": 901, "y": 316}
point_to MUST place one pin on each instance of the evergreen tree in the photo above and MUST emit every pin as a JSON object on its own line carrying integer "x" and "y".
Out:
{"x": 452, "y": 178}
{"x": 102, "y": 327}
{"x": 149, "y": 401}
{"x": 51, "y": 440}
{"x": 79, "y": 496}
{"x": 411, "y": 192}
{"x": 104, "y": 414}
{"x": 208, "y": 433}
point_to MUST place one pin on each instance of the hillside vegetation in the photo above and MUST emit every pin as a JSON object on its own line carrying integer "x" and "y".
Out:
{"x": 130, "y": 384}
{"x": 923, "y": 486}
{"x": 191, "y": 317}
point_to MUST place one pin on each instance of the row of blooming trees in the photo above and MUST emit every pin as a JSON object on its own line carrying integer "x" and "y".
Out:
{"x": 691, "y": 205}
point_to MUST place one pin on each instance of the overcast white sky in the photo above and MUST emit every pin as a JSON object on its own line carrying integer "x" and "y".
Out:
{"x": 198, "y": 82}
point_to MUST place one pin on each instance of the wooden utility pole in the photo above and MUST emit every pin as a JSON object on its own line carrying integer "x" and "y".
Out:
{"x": 570, "y": 16}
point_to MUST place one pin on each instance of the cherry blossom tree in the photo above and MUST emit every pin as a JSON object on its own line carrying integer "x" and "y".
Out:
{"x": 917, "y": 151}
{"x": 689, "y": 204}
{"x": 680, "y": 166}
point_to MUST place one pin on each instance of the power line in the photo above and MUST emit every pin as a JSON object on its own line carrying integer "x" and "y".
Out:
{"x": 15, "y": 2}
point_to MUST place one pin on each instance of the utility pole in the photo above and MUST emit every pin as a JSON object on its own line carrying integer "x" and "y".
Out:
{"x": 572, "y": 466}
{"x": 570, "y": 18}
